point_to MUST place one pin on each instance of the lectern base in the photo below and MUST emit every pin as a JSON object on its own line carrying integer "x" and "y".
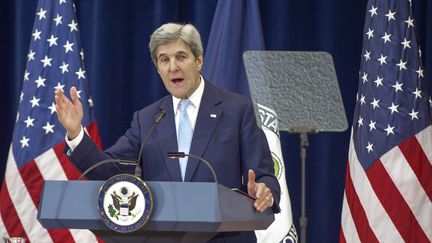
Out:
{"x": 154, "y": 237}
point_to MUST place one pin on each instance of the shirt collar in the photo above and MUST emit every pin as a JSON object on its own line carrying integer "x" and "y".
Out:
{"x": 195, "y": 97}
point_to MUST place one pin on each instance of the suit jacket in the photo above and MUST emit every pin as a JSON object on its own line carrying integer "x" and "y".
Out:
{"x": 226, "y": 134}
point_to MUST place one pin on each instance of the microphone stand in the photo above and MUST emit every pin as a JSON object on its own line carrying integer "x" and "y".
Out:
{"x": 106, "y": 161}
{"x": 175, "y": 155}
{"x": 138, "y": 162}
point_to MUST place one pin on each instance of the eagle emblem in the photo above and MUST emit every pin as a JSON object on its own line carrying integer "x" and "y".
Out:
{"x": 125, "y": 203}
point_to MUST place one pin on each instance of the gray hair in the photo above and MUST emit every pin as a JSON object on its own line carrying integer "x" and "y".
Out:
{"x": 172, "y": 32}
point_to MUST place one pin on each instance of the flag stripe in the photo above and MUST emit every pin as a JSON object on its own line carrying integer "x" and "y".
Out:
{"x": 44, "y": 167}
{"x": 33, "y": 181}
{"x": 12, "y": 222}
{"x": 341, "y": 236}
{"x": 22, "y": 202}
{"x": 59, "y": 235}
{"x": 3, "y": 231}
{"x": 348, "y": 225}
{"x": 424, "y": 138}
{"x": 49, "y": 166}
{"x": 395, "y": 204}
{"x": 365, "y": 233}
{"x": 84, "y": 236}
{"x": 400, "y": 172}
{"x": 378, "y": 218}
{"x": 50, "y": 173}
{"x": 419, "y": 162}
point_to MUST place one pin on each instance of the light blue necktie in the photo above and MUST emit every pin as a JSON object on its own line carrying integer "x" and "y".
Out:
{"x": 184, "y": 136}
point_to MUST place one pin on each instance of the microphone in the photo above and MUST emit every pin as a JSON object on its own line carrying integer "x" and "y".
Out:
{"x": 138, "y": 162}
{"x": 106, "y": 161}
{"x": 175, "y": 155}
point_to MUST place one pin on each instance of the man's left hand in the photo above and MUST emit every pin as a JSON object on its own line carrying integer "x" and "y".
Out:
{"x": 259, "y": 191}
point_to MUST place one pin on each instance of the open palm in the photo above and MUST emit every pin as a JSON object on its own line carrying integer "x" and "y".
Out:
{"x": 69, "y": 112}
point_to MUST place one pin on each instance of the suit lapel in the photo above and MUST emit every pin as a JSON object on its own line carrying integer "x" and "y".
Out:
{"x": 208, "y": 117}
{"x": 166, "y": 132}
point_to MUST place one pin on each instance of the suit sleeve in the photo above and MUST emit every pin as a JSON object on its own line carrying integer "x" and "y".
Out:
{"x": 256, "y": 154}
{"x": 86, "y": 154}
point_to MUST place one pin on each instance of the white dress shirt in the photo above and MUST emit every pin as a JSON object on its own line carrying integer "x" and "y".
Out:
{"x": 192, "y": 111}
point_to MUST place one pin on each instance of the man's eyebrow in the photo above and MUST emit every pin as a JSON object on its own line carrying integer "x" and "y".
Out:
{"x": 179, "y": 52}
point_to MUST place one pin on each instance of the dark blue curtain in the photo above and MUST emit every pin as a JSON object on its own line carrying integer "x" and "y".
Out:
{"x": 115, "y": 35}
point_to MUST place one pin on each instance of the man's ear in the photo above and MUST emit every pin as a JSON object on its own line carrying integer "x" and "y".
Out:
{"x": 199, "y": 62}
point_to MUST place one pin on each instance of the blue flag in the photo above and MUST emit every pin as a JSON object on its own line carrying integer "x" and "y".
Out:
{"x": 236, "y": 28}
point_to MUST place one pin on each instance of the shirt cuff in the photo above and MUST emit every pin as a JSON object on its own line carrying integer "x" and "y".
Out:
{"x": 74, "y": 142}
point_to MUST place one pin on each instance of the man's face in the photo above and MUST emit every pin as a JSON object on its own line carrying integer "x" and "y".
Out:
{"x": 178, "y": 68}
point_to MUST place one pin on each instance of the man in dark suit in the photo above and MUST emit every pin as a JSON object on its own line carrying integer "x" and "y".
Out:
{"x": 221, "y": 126}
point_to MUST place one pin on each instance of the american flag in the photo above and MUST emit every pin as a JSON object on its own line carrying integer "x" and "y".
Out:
{"x": 388, "y": 187}
{"x": 54, "y": 61}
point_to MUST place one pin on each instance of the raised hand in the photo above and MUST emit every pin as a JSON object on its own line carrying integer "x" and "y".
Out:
{"x": 69, "y": 112}
{"x": 261, "y": 193}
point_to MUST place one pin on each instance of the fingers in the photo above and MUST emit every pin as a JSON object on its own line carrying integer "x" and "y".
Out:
{"x": 262, "y": 190}
{"x": 68, "y": 111}
{"x": 261, "y": 193}
{"x": 251, "y": 175}
{"x": 61, "y": 102}
{"x": 61, "y": 98}
{"x": 264, "y": 197}
{"x": 74, "y": 95}
{"x": 251, "y": 185}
